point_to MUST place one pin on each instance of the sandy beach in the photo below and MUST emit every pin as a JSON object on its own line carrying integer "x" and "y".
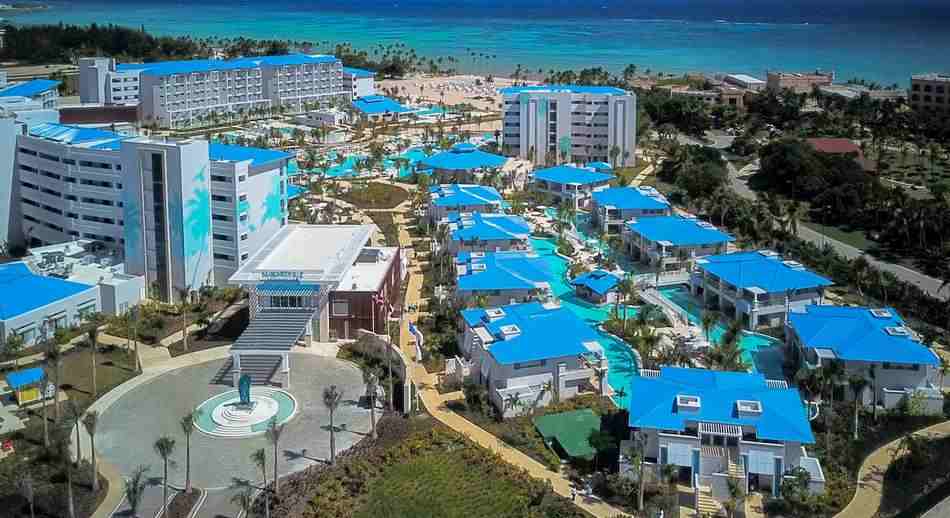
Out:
{"x": 456, "y": 89}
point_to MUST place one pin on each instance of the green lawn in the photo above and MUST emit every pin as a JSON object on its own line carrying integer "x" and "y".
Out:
{"x": 855, "y": 238}
{"x": 420, "y": 468}
{"x": 375, "y": 195}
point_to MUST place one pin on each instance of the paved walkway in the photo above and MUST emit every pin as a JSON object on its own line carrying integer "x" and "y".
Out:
{"x": 927, "y": 283}
{"x": 435, "y": 404}
{"x": 941, "y": 510}
{"x": 867, "y": 498}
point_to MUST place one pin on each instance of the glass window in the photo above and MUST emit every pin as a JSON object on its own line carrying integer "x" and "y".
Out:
{"x": 341, "y": 308}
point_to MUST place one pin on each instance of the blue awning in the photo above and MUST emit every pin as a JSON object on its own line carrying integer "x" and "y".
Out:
{"x": 25, "y": 377}
{"x": 287, "y": 288}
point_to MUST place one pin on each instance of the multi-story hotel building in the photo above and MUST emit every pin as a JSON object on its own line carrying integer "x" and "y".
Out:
{"x": 798, "y": 83}
{"x": 179, "y": 93}
{"x": 565, "y": 123}
{"x": 184, "y": 213}
{"x": 930, "y": 92}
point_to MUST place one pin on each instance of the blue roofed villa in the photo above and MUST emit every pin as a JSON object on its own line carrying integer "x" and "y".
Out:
{"x": 530, "y": 354}
{"x": 871, "y": 343}
{"x": 757, "y": 287}
{"x": 714, "y": 427}
{"x": 501, "y": 277}
{"x": 456, "y": 197}
{"x": 613, "y": 206}
{"x": 569, "y": 183}
{"x": 477, "y": 232}
{"x": 44, "y": 92}
{"x": 598, "y": 286}
{"x": 670, "y": 244}
{"x": 463, "y": 162}
{"x": 378, "y": 108}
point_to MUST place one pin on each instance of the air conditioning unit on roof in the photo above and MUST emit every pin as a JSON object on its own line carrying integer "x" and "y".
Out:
{"x": 881, "y": 313}
{"x": 478, "y": 267}
{"x": 897, "y": 331}
{"x": 510, "y": 330}
{"x": 494, "y": 313}
{"x": 795, "y": 265}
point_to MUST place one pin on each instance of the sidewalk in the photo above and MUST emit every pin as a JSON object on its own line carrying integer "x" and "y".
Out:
{"x": 867, "y": 497}
{"x": 434, "y": 403}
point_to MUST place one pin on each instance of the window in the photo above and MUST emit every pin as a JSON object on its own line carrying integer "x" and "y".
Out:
{"x": 223, "y": 257}
{"x": 218, "y": 197}
{"x": 219, "y": 178}
{"x": 530, "y": 365}
{"x": 341, "y": 308}
{"x": 220, "y": 217}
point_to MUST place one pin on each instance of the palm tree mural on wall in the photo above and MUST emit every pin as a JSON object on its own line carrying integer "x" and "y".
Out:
{"x": 196, "y": 216}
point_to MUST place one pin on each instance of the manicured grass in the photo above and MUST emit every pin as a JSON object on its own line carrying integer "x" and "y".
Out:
{"x": 419, "y": 468}
{"x": 855, "y": 238}
{"x": 375, "y": 195}
{"x": 626, "y": 175}
{"x": 384, "y": 220}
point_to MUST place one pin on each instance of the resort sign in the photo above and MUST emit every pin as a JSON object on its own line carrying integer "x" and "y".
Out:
{"x": 274, "y": 275}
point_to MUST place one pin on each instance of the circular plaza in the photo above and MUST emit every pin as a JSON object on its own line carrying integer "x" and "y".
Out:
{"x": 227, "y": 433}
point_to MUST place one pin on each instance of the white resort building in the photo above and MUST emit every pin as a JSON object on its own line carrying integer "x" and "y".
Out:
{"x": 548, "y": 124}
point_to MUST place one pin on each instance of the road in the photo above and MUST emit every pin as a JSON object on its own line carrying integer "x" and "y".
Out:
{"x": 926, "y": 283}
{"x": 941, "y": 510}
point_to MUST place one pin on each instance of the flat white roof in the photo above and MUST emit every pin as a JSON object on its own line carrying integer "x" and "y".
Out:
{"x": 746, "y": 78}
{"x": 310, "y": 253}
{"x": 368, "y": 276}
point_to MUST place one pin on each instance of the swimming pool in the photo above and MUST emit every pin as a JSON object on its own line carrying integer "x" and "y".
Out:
{"x": 620, "y": 356}
{"x": 346, "y": 168}
{"x": 413, "y": 155}
{"x": 763, "y": 353}
{"x": 432, "y": 110}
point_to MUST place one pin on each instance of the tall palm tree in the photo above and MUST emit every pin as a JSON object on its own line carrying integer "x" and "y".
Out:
{"x": 332, "y": 396}
{"x": 93, "y": 321}
{"x": 274, "y": 431}
{"x": 184, "y": 306}
{"x": 857, "y": 384}
{"x": 244, "y": 499}
{"x": 12, "y": 346}
{"x": 75, "y": 415}
{"x": 63, "y": 452}
{"x": 90, "y": 421}
{"x": 832, "y": 374}
{"x": 708, "y": 322}
{"x": 372, "y": 386}
{"x": 187, "y": 428}
{"x": 134, "y": 488}
{"x": 24, "y": 486}
{"x": 259, "y": 458}
{"x": 54, "y": 360}
{"x": 164, "y": 447}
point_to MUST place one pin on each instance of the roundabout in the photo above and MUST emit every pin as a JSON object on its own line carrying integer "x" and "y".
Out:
{"x": 226, "y": 434}
{"x": 224, "y": 415}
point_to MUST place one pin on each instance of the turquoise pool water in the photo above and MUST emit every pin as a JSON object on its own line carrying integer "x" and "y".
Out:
{"x": 762, "y": 352}
{"x": 620, "y": 357}
{"x": 338, "y": 170}
{"x": 413, "y": 155}
{"x": 294, "y": 190}
{"x": 432, "y": 110}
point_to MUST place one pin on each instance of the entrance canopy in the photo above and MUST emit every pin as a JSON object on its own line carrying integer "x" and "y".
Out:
{"x": 273, "y": 331}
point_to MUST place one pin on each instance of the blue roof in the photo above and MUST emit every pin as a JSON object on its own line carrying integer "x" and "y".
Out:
{"x": 25, "y": 377}
{"x": 161, "y": 68}
{"x": 463, "y": 157}
{"x": 464, "y": 195}
{"x": 599, "y": 166}
{"x": 376, "y": 104}
{"x": 600, "y": 282}
{"x": 574, "y": 89}
{"x": 487, "y": 227}
{"x": 627, "y": 198}
{"x": 358, "y": 72}
{"x": 564, "y": 174}
{"x": 511, "y": 270}
{"x": 855, "y": 334}
{"x": 29, "y": 88}
{"x": 783, "y": 416}
{"x": 542, "y": 333}
{"x": 679, "y": 230}
{"x": 257, "y": 156}
{"x": 753, "y": 269}
{"x": 23, "y": 291}
{"x": 72, "y": 135}
{"x": 294, "y": 191}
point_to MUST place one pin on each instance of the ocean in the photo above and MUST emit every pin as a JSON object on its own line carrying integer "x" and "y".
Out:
{"x": 879, "y": 40}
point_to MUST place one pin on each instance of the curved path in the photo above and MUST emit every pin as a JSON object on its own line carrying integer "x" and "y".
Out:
{"x": 867, "y": 497}
{"x": 435, "y": 404}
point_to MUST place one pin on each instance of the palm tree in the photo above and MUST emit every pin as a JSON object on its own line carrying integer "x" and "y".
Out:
{"x": 134, "y": 488}
{"x": 708, "y": 322}
{"x": 831, "y": 374}
{"x": 164, "y": 447}
{"x": 858, "y": 384}
{"x": 332, "y": 396}
{"x": 90, "y": 421}
{"x": 259, "y": 458}
{"x": 187, "y": 428}
{"x": 24, "y": 486}
{"x": 183, "y": 307}
{"x": 76, "y": 419}
{"x": 45, "y": 382}
{"x": 93, "y": 322}
{"x": 53, "y": 359}
{"x": 63, "y": 452}
{"x": 244, "y": 499}
{"x": 274, "y": 431}
{"x": 372, "y": 386}
{"x": 12, "y": 346}
{"x": 636, "y": 455}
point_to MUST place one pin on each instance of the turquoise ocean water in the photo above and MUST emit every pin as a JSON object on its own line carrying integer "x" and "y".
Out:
{"x": 875, "y": 39}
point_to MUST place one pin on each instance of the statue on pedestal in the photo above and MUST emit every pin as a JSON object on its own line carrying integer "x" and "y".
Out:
{"x": 244, "y": 390}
